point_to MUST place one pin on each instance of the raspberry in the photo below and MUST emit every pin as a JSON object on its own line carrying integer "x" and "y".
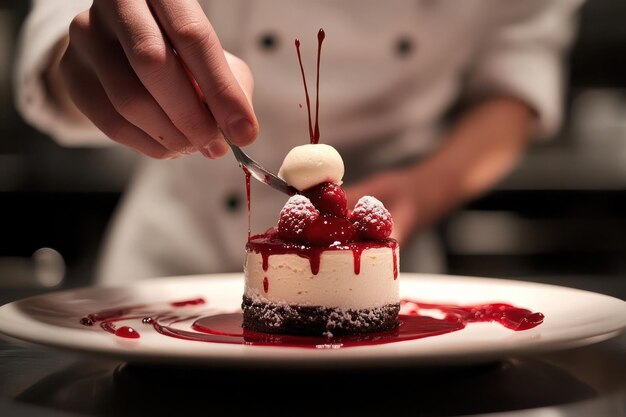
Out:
{"x": 271, "y": 233}
{"x": 295, "y": 216}
{"x": 326, "y": 230}
{"x": 371, "y": 219}
{"x": 328, "y": 198}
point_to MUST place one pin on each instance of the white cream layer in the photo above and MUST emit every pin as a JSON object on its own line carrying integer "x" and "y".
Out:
{"x": 308, "y": 165}
{"x": 290, "y": 280}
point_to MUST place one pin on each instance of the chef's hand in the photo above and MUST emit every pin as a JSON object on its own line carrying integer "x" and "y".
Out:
{"x": 121, "y": 71}
{"x": 398, "y": 192}
{"x": 482, "y": 147}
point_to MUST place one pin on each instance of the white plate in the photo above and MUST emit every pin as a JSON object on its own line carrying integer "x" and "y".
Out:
{"x": 572, "y": 318}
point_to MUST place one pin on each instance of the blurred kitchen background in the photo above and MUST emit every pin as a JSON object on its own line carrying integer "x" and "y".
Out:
{"x": 560, "y": 217}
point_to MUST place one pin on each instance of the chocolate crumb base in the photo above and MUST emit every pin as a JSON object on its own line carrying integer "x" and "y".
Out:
{"x": 316, "y": 321}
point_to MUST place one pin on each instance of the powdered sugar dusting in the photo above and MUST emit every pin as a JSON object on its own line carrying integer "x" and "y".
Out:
{"x": 329, "y": 320}
{"x": 296, "y": 203}
{"x": 367, "y": 203}
{"x": 369, "y": 212}
{"x": 297, "y": 213}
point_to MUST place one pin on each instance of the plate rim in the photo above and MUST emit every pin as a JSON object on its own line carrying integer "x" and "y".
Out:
{"x": 268, "y": 356}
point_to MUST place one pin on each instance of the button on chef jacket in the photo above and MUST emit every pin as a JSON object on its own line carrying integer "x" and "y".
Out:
{"x": 389, "y": 71}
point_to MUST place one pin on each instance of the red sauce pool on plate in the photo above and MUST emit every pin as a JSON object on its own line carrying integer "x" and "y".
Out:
{"x": 185, "y": 320}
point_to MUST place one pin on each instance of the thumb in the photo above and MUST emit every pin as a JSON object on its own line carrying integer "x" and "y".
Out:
{"x": 242, "y": 74}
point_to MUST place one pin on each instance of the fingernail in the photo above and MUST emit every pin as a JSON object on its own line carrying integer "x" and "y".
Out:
{"x": 217, "y": 148}
{"x": 241, "y": 130}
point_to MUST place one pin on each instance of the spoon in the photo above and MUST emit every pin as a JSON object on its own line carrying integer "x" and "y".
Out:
{"x": 256, "y": 170}
{"x": 245, "y": 162}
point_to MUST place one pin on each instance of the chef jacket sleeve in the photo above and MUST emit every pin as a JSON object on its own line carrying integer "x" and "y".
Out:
{"x": 46, "y": 24}
{"x": 522, "y": 55}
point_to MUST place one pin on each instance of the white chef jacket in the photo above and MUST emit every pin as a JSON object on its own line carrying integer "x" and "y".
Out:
{"x": 389, "y": 71}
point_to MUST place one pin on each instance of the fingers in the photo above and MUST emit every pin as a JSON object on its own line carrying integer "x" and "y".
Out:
{"x": 160, "y": 71}
{"x": 242, "y": 73}
{"x": 97, "y": 107}
{"x": 123, "y": 89}
{"x": 391, "y": 190}
{"x": 193, "y": 37}
{"x": 121, "y": 50}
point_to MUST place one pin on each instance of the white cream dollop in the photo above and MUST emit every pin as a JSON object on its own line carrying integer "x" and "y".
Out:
{"x": 308, "y": 165}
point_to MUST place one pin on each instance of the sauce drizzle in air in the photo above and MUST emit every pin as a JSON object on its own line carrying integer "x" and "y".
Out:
{"x": 313, "y": 133}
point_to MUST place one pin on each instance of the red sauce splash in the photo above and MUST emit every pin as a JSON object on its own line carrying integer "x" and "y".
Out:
{"x": 226, "y": 327}
{"x": 127, "y": 332}
{"x": 511, "y": 317}
{"x": 193, "y": 302}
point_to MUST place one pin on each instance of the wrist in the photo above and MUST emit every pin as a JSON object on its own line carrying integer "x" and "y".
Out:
{"x": 433, "y": 191}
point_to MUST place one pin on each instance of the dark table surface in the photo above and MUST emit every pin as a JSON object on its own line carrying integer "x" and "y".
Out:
{"x": 587, "y": 381}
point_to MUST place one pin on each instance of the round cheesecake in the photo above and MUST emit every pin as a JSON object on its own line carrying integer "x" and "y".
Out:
{"x": 324, "y": 269}
{"x": 335, "y": 290}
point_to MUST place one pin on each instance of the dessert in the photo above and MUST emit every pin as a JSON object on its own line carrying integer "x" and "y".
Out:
{"x": 324, "y": 270}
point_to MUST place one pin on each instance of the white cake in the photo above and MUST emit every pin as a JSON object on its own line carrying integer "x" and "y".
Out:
{"x": 323, "y": 269}
{"x": 290, "y": 280}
